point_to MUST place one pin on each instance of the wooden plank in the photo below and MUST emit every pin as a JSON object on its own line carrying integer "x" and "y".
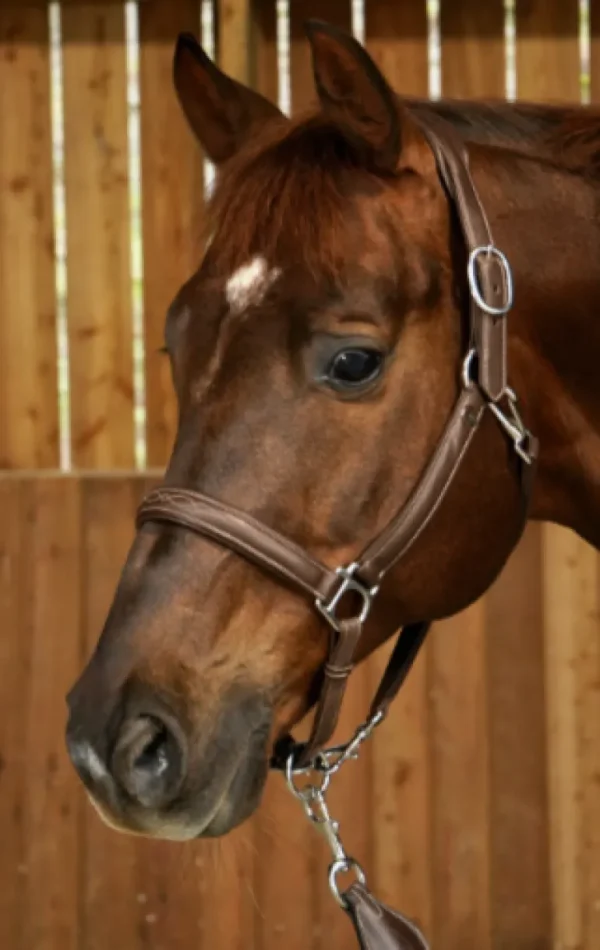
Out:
{"x": 98, "y": 236}
{"x": 521, "y": 898}
{"x": 548, "y": 63}
{"x": 401, "y": 867}
{"x": 548, "y": 68}
{"x": 473, "y": 49}
{"x": 396, "y": 37}
{"x": 230, "y": 907}
{"x": 234, "y": 27}
{"x": 337, "y": 13}
{"x": 172, "y": 194}
{"x": 53, "y": 794}
{"x": 28, "y": 378}
{"x": 15, "y": 622}
{"x": 263, "y": 68}
{"x": 112, "y": 901}
{"x": 460, "y": 774}
{"x": 571, "y": 602}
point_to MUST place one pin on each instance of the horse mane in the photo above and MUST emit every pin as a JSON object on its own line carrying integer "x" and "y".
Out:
{"x": 287, "y": 193}
{"x": 566, "y": 135}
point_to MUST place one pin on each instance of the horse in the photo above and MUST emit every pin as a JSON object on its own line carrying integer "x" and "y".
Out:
{"x": 317, "y": 355}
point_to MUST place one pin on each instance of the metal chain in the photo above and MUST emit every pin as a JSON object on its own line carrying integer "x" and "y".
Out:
{"x": 312, "y": 798}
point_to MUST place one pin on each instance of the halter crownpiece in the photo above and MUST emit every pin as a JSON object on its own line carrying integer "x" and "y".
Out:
{"x": 484, "y": 386}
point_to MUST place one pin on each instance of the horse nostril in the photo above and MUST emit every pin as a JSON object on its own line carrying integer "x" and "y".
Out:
{"x": 148, "y": 760}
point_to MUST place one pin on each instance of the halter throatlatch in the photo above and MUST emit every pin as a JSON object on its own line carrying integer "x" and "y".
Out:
{"x": 483, "y": 386}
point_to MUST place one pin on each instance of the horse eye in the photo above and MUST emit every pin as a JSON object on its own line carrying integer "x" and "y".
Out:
{"x": 353, "y": 367}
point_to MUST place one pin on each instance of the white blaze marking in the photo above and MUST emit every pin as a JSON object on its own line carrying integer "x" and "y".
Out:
{"x": 249, "y": 283}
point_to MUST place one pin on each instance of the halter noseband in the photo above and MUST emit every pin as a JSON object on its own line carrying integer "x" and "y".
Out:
{"x": 490, "y": 299}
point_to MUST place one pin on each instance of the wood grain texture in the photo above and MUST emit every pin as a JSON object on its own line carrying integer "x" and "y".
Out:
{"x": 16, "y": 592}
{"x": 263, "y": 67}
{"x": 52, "y": 796}
{"x": 396, "y": 37}
{"x": 98, "y": 236}
{"x": 460, "y": 852}
{"x": 234, "y": 30}
{"x": 572, "y": 630}
{"x": 548, "y": 63}
{"x": 401, "y": 809}
{"x": 473, "y": 61}
{"x": 172, "y": 206}
{"x": 28, "y": 376}
{"x": 39, "y": 656}
{"x": 521, "y": 894}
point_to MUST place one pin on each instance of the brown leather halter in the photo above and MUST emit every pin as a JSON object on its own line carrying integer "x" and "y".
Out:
{"x": 483, "y": 387}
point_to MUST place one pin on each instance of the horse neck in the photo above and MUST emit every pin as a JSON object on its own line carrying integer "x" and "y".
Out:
{"x": 545, "y": 219}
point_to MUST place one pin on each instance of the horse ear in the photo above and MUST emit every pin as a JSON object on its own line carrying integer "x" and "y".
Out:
{"x": 221, "y": 111}
{"x": 354, "y": 92}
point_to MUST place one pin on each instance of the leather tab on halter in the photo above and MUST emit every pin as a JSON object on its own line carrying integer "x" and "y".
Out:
{"x": 377, "y": 926}
{"x": 338, "y": 667}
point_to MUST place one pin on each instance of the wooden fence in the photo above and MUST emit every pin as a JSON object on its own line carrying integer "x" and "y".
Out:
{"x": 477, "y": 808}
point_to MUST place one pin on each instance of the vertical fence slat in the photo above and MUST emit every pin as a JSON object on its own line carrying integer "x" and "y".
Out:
{"x": 548, "y": 68}
{"x": 396, "y": 36}
{"x": 15, "y": 642}
{"x": 53, "y": 796}
{"x": 473, "y": 60}
{"x": 460, "y": 777}
{"x": 571, "y": 601}
{"x": 234, "y": 29}
{"x": 337, "y": 12}
{"x": 28, "y": 377}
{"x": 264, "y": 49}
{"x": 39, "y": 656}
{"x": 402, "y": 781}
{"x": 172, "y": 196}
{"x": 521, "y": 899}
{"x": 548, "y": 63}
{"x": 111, "y": 904}
{"x": 98, "y": 235}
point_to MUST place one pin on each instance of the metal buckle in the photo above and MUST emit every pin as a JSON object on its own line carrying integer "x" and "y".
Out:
{"x": 474, "y": 287}
{"x": 513, "y": 425}
{"x": 349, "y": 583}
